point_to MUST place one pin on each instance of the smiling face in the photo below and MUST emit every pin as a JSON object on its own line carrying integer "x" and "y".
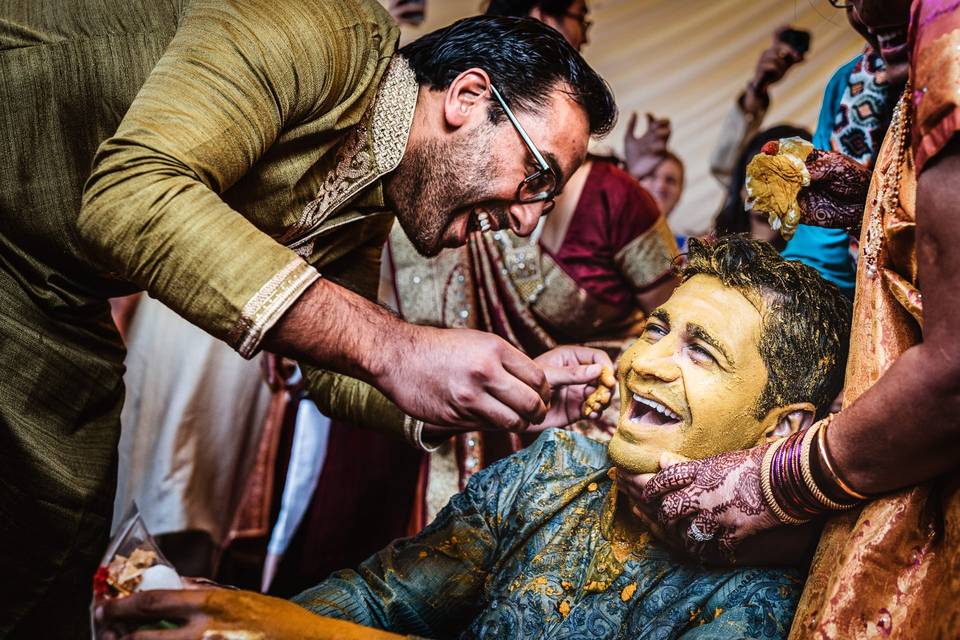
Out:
{"x": 445, "y": 181}
{"x": 884, "y": 23}
{"x": 665, "y": 184}
{"x": 690, "y": 384}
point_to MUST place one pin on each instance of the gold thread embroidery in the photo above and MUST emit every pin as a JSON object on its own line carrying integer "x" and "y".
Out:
{"x": 649, "y": 256}
{"x": 268, "y": 304}
{"x": 371, "y": 149}
{"x": 887, "y": 197}
{"x": 436, "y": 291}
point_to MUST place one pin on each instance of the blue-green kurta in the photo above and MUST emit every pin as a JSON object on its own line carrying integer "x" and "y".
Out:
{"x": 525, "y": 551}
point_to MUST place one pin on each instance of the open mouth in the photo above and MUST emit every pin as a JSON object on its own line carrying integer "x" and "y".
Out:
{"x": 486, "y": 218}
{"x": 647, "y": 412}
{"x": 893, "y": 43}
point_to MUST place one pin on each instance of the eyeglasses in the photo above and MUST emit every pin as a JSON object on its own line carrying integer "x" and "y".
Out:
{"x": 841, "y": 4}
{"x": 541, "y": 185}
{"x": 585, "y": 22}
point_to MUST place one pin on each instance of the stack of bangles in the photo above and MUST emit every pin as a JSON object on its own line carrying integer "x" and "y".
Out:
{"x": 787, "y": 478}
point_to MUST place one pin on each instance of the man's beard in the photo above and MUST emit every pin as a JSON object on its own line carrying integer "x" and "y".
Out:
{"x": 434, "y": 184}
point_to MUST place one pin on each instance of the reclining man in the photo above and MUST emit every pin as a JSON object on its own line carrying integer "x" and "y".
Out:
{"x": 538, "y": 544}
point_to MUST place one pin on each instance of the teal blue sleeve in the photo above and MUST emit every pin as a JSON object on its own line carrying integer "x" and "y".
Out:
{"x": 428, "y": 585}
{"x": 827, "y": 251}
{"x": 753, "y": 604}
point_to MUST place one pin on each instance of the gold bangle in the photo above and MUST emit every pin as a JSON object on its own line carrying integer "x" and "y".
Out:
{"x": 825, "y": 456}
{"x": 807, "y": 472}
{"x": 767, "y": 489}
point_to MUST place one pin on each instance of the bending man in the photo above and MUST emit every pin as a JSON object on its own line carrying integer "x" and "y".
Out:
{"x": 264, "y": 151}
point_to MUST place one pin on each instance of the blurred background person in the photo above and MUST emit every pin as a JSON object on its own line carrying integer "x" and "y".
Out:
{"x": 746, "y": 117}
{"x": 665, "y": 183}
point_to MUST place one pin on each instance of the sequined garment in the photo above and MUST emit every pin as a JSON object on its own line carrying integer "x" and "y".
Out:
{"x": 864, "y": 111}
{"x": 530, "y": 550}
{"x": 892, "y": 569}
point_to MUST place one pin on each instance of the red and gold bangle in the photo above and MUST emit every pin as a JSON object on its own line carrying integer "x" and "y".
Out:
{"x": 789, "y": 487}
{"x": 798, "y": 500}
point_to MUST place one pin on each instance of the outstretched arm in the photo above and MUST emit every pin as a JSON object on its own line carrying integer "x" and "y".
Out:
{"x": 203, "y": 613}
{"x": 904, "y": 429}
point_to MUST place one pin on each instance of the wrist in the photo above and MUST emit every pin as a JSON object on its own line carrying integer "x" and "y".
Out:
{"x": 798, "y": 481}
{"x": 826, "y": 472}
{"x": 754, "y": 99}
{"x": 392, "y": 342}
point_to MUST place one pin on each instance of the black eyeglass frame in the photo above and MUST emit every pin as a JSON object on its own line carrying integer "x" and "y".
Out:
{"x": 544, "y": 172}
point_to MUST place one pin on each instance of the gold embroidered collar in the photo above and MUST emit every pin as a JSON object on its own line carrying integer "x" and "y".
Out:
{"x": 370, "y": 150}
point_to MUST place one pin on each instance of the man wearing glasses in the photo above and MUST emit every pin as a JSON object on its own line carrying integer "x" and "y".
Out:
{"x": 597, "y": 264}
{"x": 260, "y": 155}
{"x": 569, "y": 17}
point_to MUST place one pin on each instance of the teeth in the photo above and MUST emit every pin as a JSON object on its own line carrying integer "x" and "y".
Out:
{"x": 892, "y": 36}
{"x": 656, "y": 406}
{"x": 484, "y": 221}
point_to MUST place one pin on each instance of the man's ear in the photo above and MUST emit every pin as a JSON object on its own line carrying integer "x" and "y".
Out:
{"x": 784, "y": 421}
{"x": 467, "y": 98}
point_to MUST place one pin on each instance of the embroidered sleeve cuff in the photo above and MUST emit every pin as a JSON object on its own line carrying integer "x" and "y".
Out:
{"x": 649, "y": 256}
{"x": 269, "y": 303}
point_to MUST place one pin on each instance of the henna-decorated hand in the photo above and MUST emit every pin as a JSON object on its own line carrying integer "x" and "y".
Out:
{"x": 705, "y": 507}
{"x": 837, "y": 192}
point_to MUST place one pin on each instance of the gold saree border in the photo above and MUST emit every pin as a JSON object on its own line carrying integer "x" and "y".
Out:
{"x": 571, "y": 309}
{"x": 269, "y": 303}
{"x": 649, "y": 257}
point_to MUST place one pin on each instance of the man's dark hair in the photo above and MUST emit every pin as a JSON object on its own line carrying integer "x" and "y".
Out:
{"x": 522, "y": 8}
{"x": 805, "y": 330}
{"x": 525, "y": 59}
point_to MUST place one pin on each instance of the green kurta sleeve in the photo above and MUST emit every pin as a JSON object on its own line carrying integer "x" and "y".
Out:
{"x": 238, "y": 82}
{"x": 344, "y": 398}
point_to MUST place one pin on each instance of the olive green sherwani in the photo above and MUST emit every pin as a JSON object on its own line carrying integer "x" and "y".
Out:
{"x": 248, "y": 142}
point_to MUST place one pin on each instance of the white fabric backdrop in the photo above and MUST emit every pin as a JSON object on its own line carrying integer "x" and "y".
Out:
{"x": 688, "y": 60}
